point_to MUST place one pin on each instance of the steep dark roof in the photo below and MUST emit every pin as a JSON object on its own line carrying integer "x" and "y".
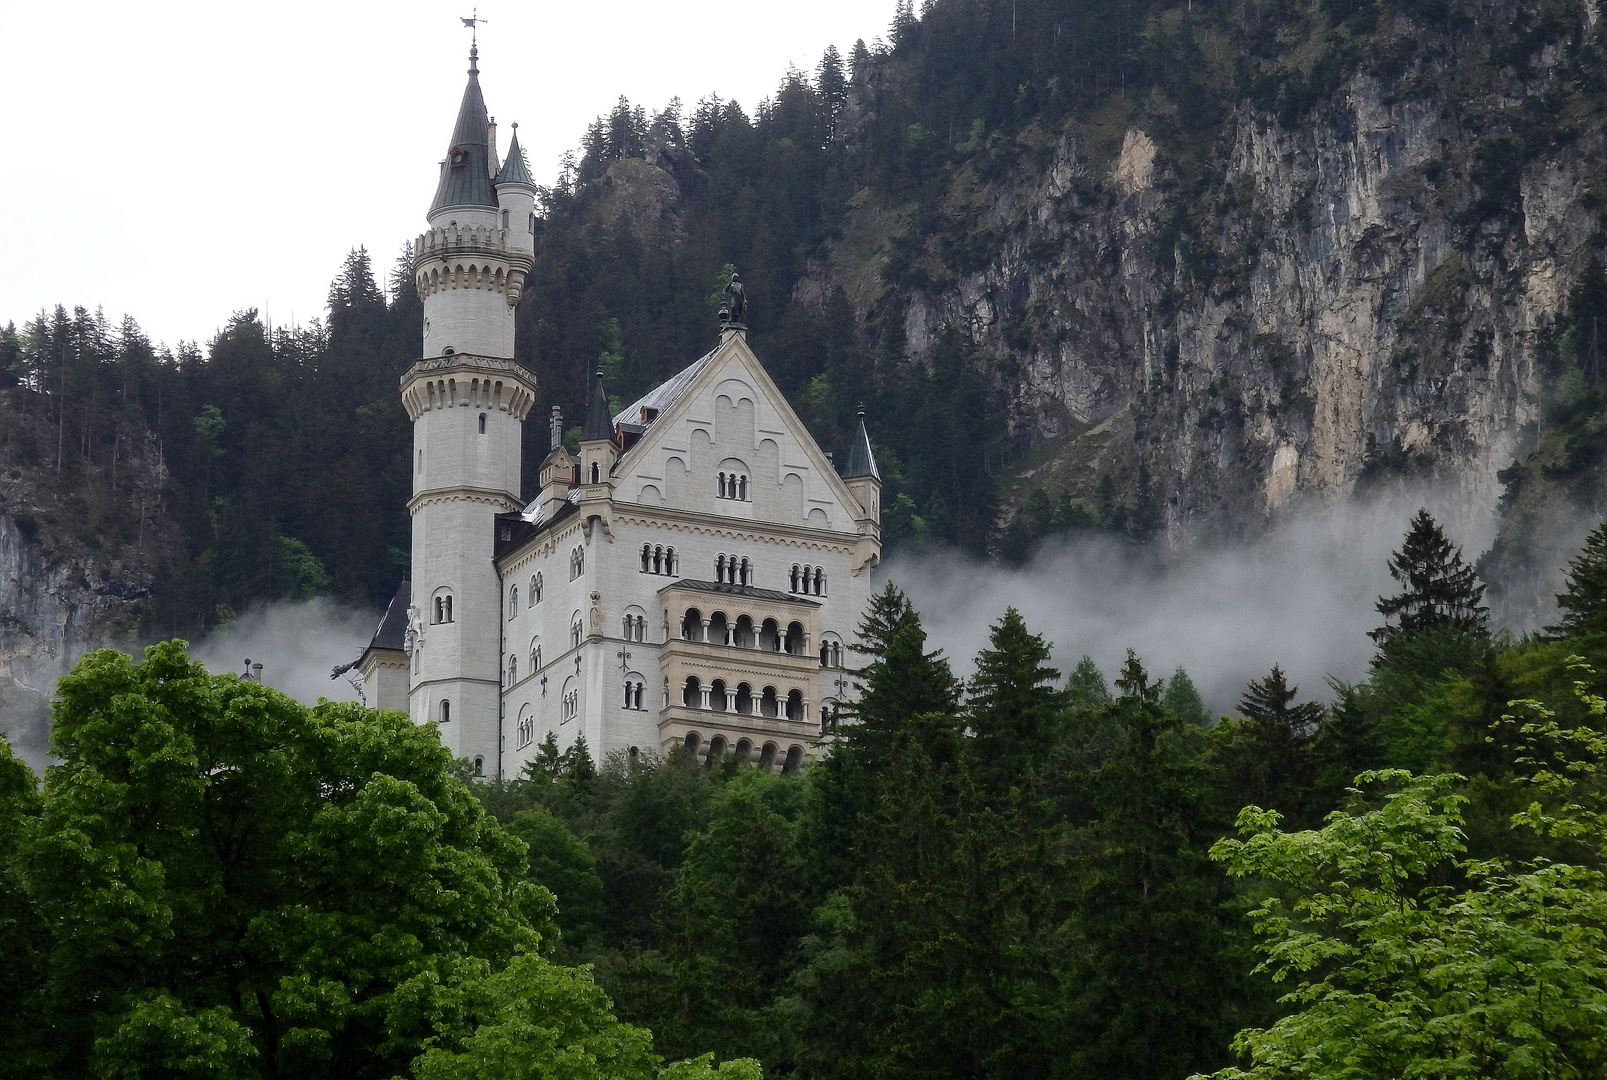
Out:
{"x": 861, "y": 462}
{"x": 515, "y": 170}
{"x": 392, "y": 630}
{"x": 598, "y": 423}
{"x": 738, "y": 590}
{"x": 466, "y": 175}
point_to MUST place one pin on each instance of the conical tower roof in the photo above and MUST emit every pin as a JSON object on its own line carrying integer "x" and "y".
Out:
{"x": 598, "y": 423}
{"x": 515, "y": 170}
{"x": 861, "y": 462}
{"x": 466, "y": 174}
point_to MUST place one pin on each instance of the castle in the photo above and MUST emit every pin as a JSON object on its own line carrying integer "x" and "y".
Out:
{"x": 691, "y": 579}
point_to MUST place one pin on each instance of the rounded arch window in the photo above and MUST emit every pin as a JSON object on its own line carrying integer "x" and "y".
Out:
{"x": 535, "y": 590}
{"x": 482, "y": 423}
{"x": 441, "y": 606}
{"x": 445, "y": 712}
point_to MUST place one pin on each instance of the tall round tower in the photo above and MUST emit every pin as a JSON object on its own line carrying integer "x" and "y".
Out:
{"x": 467, "y": 400}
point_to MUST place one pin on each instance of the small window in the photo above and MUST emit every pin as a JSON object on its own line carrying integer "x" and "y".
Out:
{"x": 505, "y": 219}
{"x": 479, "y": 765}
{"x": 596, "y": 473}
{"x": 513, "y": 601}
{"x": 535, "y": 590}
{"x": 446, "y": 712}
{"x": 482, "y": 423}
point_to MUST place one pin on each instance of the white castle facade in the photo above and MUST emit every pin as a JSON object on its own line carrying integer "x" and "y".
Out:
{"x": 691, "y": 579}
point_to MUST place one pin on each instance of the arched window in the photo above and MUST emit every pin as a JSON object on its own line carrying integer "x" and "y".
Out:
{"x": 535, "y": 655}
{"x": 577, "y": 563}
{"x": 513, "y": 669}
{"x": 513, "y": 601}
{"x": 647, "y": 559}
{"x": 669, "y": 561}
{"x": 768, "y": 702}
{"x": 692, "y": 693}
{"x": 717, "y": 700}
{"x": 719, "y": 568}
{"x": 820, "y": 582}
{"x": 526, "y": 731}
{"x": 442, "y": 606}
{"x": 479, "y": 765}
{"x": 794, "y": 762}
{"x": 482, "y": 423}
{"x": 575, "y": 632}
{"x": 446, "y": 711}
{"x": 596, "y": 473}
{"x": 722, "y": 485}
{"x": 744, "y": 579}
{"x": 795, "y": 706}
{"x": 692, "y": 625}
{"x": 534, "y": 597}
{"x": 792, "y": 579}
{"x": 742, "y": 488}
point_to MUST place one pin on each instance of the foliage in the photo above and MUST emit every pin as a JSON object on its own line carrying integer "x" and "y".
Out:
{"x": 1441, "y": 591}
{"x": 1584, "y": 601}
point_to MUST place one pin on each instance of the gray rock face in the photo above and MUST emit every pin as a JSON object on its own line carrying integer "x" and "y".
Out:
{"x": 1364, "y": 294}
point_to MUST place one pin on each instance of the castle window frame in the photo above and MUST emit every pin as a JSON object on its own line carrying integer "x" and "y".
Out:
{"x": 482, "y": 423}
{"x": 513, "y": 668}
{"x": 535, "y": 590}
{"x": 732, "y": 485}
{"x": 577, "y": 563}
{"x": 525, "y": 732}
{"x": 441, "y": 606}
{"x": 513, "y": 602}
{"x": 445, "y": 711}
{"x": 535, "y": 654}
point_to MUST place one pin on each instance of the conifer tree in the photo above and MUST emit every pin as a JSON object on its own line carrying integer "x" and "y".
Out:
{"x": 1182, "y": 700}
{"x": 1584, "y": 603}
{"x": 1441, "y": 590}
{"x": 1014, "y": 708}
{"x": 1268, "y": 759}
{"x": 1271, "y": 701}
{"x": 1086, "y": 686}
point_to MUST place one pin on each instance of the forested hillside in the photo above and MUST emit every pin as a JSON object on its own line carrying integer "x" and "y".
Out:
{"x": 1168, "y": 270}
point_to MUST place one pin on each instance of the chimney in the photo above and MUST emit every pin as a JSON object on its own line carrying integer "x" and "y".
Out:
{"x": 256, "y": 673}
{"x": 557, "y": 426}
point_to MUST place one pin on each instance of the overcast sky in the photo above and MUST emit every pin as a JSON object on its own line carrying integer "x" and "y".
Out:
{"x": 181, "y": 161}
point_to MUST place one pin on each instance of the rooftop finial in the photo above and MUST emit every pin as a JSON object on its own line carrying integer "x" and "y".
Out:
{"x": 473, "y": 23}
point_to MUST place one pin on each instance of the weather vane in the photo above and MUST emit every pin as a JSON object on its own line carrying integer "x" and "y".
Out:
{"x": 473, "y": 23}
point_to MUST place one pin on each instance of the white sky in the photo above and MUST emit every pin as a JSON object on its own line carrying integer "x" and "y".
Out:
{"x": 178, "y": 162}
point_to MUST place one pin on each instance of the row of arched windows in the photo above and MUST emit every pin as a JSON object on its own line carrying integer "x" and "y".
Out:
{"x": 730, "y": 570}
{"x": 734, "y": 485}
{"x": 720, "y": 696}
{"x": 658, "y": 560}
{"x": 743, "y": 751}
{"x": 741, "y": 633}
{"x": 807, "y": 580}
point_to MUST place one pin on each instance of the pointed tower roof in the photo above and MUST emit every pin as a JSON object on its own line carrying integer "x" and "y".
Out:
{"x": 598, "y": 423}
{"x": 392, "y": 630}
{"x": 466, "y": 175}
{"x": 861, "y": 462}
{"x": 515, "y": 170}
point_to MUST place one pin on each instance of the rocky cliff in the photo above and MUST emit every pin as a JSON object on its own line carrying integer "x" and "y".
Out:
{"x": 1240, "y": 320}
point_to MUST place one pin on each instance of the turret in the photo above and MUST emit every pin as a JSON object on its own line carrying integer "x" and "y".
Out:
{"x": 864, "y": 481}
{"x": 516, "y": 196}
{"x": 557, "y": 470}
{"x": 468, "y": 267}
{"x": 598, "y": 448}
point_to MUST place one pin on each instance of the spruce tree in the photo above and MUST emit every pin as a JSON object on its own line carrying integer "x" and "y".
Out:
{"x": 1584, "y": 603}
{"x": 1086, "y": 688}
{"x": 1442, "y": 591}
{"x": 1268, "y": 758}
{"x": 1014, "y": 708}
{"x": 1183, "y": 701}
{"x": 1271, "y": 701}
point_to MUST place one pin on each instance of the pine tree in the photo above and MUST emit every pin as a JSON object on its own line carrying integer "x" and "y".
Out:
{"x": 1086, "y": 686}
{"x": 1182, "y": 700}
{"x": 1584, "y": 603}
{"x": 1442, "y": 591}
{"x": 1014, "y": 708}
{"x": 831, "y": 83}
{"x": 1270, "y": 701}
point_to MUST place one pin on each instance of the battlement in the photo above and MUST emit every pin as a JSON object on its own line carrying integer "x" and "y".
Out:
{"x": 470, "y": 257}
{"x": 479, "y": 382}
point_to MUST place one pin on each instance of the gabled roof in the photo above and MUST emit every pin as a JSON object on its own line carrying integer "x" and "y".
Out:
{"x": 666, "y": 393}
{"x": 392, "y": 630}
{"x": 861, "y": 462}
{"x": 466, "y": 174}
{"x": 515, "y": 170}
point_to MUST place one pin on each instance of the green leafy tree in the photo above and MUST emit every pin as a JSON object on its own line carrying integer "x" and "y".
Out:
{"x": 24, "y": 962}
{"x": 238, "y": 886}
{"x": 560, "y": 862}
{"x": 1441, "y": 590}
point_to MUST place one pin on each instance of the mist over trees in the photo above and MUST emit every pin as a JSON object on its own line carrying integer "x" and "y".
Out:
{"x": 1026, "y": 873}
